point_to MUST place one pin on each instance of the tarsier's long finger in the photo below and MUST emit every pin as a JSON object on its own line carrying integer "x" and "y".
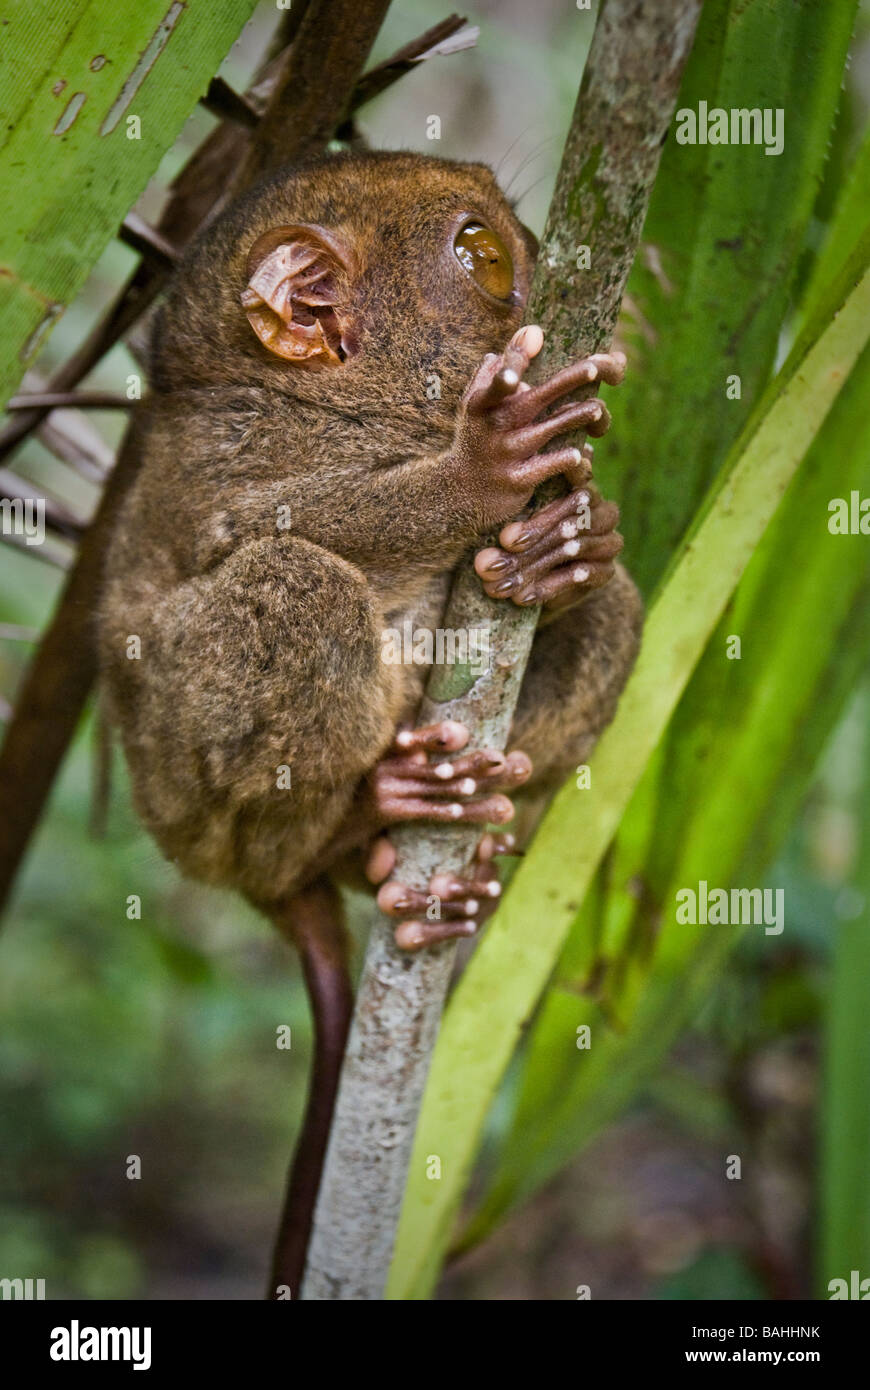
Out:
{"x": 492, "y": 845}
{"x": 481, "y": 764}
{"x": 604, "y": 366}
{"x": 495, "y": 772}
{"x": 562, "y": 587}
{"x": 580, "y": 473}
{"x": 454, "y": 905}
{"x": 455, "y": 898}
{"x": 412, "y": 936}
{"x": 462, "y": 902}
{"x": 447, "y": 736}
{"x": 459, "y": 904}
{"x": 502, "y": 377}
{"x": 397, "y": 808}
{"x": 381, "y": 859}
{"x": 529, "y": 473}
{"x": 571, "y": 536}
{"x": 591, "y": 416}
{"x": 572, "y": 559}
{"x": 581, "y": 513}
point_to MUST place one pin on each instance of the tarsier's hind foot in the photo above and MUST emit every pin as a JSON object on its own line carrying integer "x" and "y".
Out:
{"x": 557, "y": 555}
{"x": 409, "y": 786}
{"x": 453, "y": 905}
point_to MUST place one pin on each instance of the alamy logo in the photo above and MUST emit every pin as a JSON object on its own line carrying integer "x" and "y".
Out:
{"x": 23, "y": 516}
{"x": 75, "y": 1343}
{"x": 741, "y": 907}
{"x": 739, "y": 126}
{"x": 423, "y": 646}
{"x": 854, "y": 1287}
{"x": 22, "y": 1288}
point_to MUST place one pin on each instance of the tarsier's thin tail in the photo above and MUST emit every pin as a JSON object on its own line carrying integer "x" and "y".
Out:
{"x": 313, "y": 921}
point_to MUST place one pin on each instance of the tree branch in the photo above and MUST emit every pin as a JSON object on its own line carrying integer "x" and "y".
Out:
{"x": 315, "y": 88}
{"x": 608, "y": 168}
{"x": 449, "y": 36}
{"x": 76, "y": 400}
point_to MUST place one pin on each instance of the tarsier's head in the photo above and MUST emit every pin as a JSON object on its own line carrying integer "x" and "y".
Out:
{"x": 348, "y": 265}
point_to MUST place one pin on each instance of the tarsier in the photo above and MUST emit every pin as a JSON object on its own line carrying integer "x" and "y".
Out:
{"x": 299, "y": 491}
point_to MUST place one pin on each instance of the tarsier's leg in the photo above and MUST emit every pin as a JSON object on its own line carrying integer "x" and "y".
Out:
{"x": 249, "y": 719}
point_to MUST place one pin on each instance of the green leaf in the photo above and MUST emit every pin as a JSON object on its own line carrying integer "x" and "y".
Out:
{"x": 735, "y": 784}
{"x": 707, "y": 296}
{"x": 72, "y": 74}
{"x": 719, "y": 798}
{"x": 510, "y": 969}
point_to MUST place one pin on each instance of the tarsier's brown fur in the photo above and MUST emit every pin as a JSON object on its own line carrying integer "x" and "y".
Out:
{"x": 261, "y": 647}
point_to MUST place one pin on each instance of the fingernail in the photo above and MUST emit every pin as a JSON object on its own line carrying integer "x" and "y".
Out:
{"x": 568, "y": 529}
{"x": 472, "y": 907}
{"x": 444, "y": 770}
{"x": 571, "y": 548}
{"x": 580, "y": 574}
{"x": 409, "y": 936}
{"x": 497, "y": 566}
{"x": 530, "y": 337}
{"x": 455, "y": 810}
{"x": 507, "y": 584}
{"x": 468, "y": 786}
{"x": 527, "y": 599}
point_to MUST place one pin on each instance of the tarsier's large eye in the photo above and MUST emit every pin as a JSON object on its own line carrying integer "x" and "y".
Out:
{"x": 486, "y": 258}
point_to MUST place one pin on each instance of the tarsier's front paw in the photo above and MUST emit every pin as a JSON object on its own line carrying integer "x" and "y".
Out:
{"x": 504, "y": 424}
{"x": 557, "y": 555}
{"x": 407, "y": 786}
{"x": 452, "y": 906}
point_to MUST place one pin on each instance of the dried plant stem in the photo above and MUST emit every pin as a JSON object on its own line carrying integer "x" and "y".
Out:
{"x": 314, "y": 90}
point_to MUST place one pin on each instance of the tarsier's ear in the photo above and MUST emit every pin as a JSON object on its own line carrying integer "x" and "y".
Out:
{"x": 297, "y": 294}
